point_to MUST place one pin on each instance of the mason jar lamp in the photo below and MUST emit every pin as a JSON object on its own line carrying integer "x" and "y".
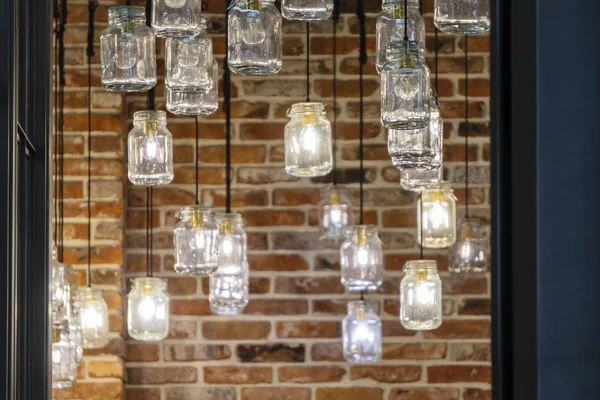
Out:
{"x": 361, "y": 333}
{"x": 176, "y": 18}
{"x": 306, "y": 10}
{"x": 335, "y": 213}
{"x": 470, "y": 252}
{"x": 195, "y": 241}
{"x": 361, "y": 259}
{"x": 94, "y": 318}
{"x": 64, "y": 360}
{"x": 196, "y": 103}
{"x": 463, "y": 17}
{"x": 421, "y": 296}
{"x": 436, "y": 218}
{"x": 148, "y": 310}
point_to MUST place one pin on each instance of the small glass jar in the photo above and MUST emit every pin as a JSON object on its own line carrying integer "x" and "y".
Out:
{"x": 421, "y": 296}
{"x": 255, "y": 38}
{"x": 229, "y": 290}
{"x": 405, "y": 92}
{"x": 390, "y": 27}
{"x": 361, "y": 259}
{"x": 61, "y": 293}
{"x": 148, "y": 309}
{"x": 308, "y": 144}
{"x": 150, "y": 149}
{"x": 194, "y": 103}
{"x": 470, "y": 252}
{"x": 335, "y": 214}
{"x": 306, "y": 10}
{"x": 436, "y": 218}
{"x": 463, "y": 17}
{"x": 361, "y": 333}
{"x": 94, "y": 318}
{"x": 195, "y": 241}
{"x": 64, "y": 360}
{"x": 176, "y": 18}
{"x": 75, "y": 329}
{"x": 128, "y": 51}
{"x": 189, "y": 62}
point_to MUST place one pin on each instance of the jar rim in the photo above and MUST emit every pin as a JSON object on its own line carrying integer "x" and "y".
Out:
{"x": 326, "y": 190}
{"x": 233, "y": 217}
{"x": 150, "y": 115}
{"x": 429, "y": 265}
{"x": 149, "y": 282}
{"x": 187, "y": 211}
{"x": 126, "y": 12}
{"x": 307, "y": 107}
{"x": 370, "y": 230}
{"x": 89, "y": 292}
{"x": 364, "y": 304}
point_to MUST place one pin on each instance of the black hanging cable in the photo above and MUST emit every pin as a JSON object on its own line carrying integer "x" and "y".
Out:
{"x": 362, "y": 60}
{"x": 127, "y": 2}
{"x": 421, "y": 7}
{"x": 61, "y": 123}
{"x": 197, "y": 162}
{"x": 437, "y": 44}
{"x": 92, "y": 6}
{"x": 56, "y": 125}
{"x": 151, "y": 92}
{"x": 466, "y": 127}
{"x": 421, "y": 226}
{"x": 227, "y": 109}
{"x": 336, "y": 20}
{"x": 406, "y": 22}
{"x": 149, "y": 231}
{"x": 308, "y": 62}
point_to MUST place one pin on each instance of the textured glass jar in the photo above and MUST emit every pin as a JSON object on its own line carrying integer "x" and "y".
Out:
{"x": 306, "y": 10}
{"x": 470, "y": 252}
{"x": 94, "y": 318}
{"x": 361, "y": 259}
{"x": 390, "y": 27}
{"x": 176, "y": 18}
{"x": 64, "y": 360}
{"x": 75, "y": 330}
{"x": 405, "y": 92}
{"x": 229, "y": 283}
{"x": 464, "y": 17}
{"x": 195, "y": 241}
{"x": 361, "y": 333}
{"x": 60, "y": 293}
{"x": 194, "y": 103}
{"x": 255, "y": 39}
{"x": 421, "y": 296}
{"x": 148, "y": 309}
{"x": 335, "y": 214}
{"x": 436, "y": 218}
{"x": 308, "y": 144}
{"x": 150, "y": 149}
{"x": 128, "y": 51}
{"x": 418, "y": 179}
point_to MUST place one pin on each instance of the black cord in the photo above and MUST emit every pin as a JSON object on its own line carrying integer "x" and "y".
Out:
{"x": 421, "y": 226}
{"x": 336, "y": 20}
{"x": 227, "y": 109}
{"x": 466, "y": 127}
{"x": 421, "y": 7}
{"x": 92, "y": 6}
{"x": 127, "y": 2}
{"x": 362, "y": 60}
{"x": 56, "y": 125}
{"x": 197, "y": 162}
{"x": 61, "y": 123}
{"x": 151, "y": 92}
{"x": 362, "y": 295}
{"x": 308, "y": 62}
{"x": 437, "y": 80}
{"x": 406, "y": 21}
{"x": 149, "y": 231}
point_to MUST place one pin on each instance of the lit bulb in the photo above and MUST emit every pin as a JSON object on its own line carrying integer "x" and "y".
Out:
{"x": 438, "y": 216}
{"x": 254, "y": 29}
{"x": 198, "y": 240}
{"x": 227, "y": 246}
{"x": 362, "y": 256}
{"x": 91, "y": 319}
{"x": 465, "y": 250}
{"x": 308, "y": 136}
{"x": 126, "y": 51}
{"x": 147, "y": 309}
{"x": 150, "y": 149}
{"x": 362, "y": 333}
{"x": 175, "y": 3}
{"x": 336, "y": 216}
{"x": 423, "y": 294}
{"x": 408, "y": 85}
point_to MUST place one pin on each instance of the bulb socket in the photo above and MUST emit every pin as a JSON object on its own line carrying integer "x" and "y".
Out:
{"x": 55, "y": 336}
{"x": 362, "y": 237}
{"x": 398, "y": 12}
{"x": 254, "y": 5}
{"x": 197, "y": 219}
{"x": 309, "y": 119}
{"x": 466, "y": 232}
{"x": 421, "y": 274}
{"x": 334, "y": 196}
{"x": 406, "y": 62}
{"x": 360, "y": 313}
{"x": 227, "y": 228}
{"x": 150, "y": 127}
{"x": 437, "y": 195}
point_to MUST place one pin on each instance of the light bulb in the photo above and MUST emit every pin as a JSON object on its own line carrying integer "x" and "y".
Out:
{"x": 337, "y": 217}
{"x": 423, "y": 294}
{"x": 438, "y": 216}
{"x": 126, "y": 51}
{"x": 362, "y": 333}
{"x": 362, "y": 256}
{"x": 408, "y": 86}
{"x": 198, "y": 240}
{"x": 175, "y": 3}
{"x": 254, "y": 30}
{"x": 147, "y": 309}
{"x": 308, "y": 138}
{"x": 227, "y": 246}
{"x": 91, "y": 318}
{"x": 465, "y": 250}
{"x": 150, "y": 149}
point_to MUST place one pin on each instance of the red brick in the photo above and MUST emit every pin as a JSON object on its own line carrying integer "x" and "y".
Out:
{"x": 414, "y": 351}
{"x": 235, "y": 330}
{"x": 276, "y": 262}
{"x": 352, "y": 393}
{"x": 308, "y": 329}
{"x": 275, "y": 393}
{"x": 477, "y": 394}
{"x": 308, "y": 285}
{"x": 91, "y": 391}
{"x": 311, "y": 374}
{"x": 142, "y": 393}
{"x": 161, "y": 375}
{"x": 190, "y": 307}
{"x": 237, "y": 375}
{"x": 276, "y": 307}
{"x": 392, "y": 374}
{"x": 424, "y": 393}
{"x": 105, "y": 369}
{"x": 459, "y": 373}
{"x": 146, "y": 352}
{"x": 239, "y": 154}
{"x": 461, "y": 329}
{"x": 262, "y": 218}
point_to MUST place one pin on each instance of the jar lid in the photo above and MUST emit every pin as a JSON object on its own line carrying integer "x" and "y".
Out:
{"x": 149, "y": 283}
{"x": 188, "y": 211}
{"x": 234, "y": 218}
{"x": 354, "y": 230}
{"x": 150, "y": 115}
{"x": 126, "y": 12}
{"x": 415, "y": 265}
{"x": 331, "y": 192}
{"x": 307, "y": 108}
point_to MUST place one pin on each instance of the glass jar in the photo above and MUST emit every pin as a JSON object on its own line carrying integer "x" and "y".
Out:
{"x": 436, "y": 218}
{"x": 148, "y": 309}
{"x": 64, "y": 363}
{"x": 361, "y": 259}
{"x": 94, "y": 318}
{"x": 470, "y": 252}
{"x": 419, "y": 179}
{"x": 390, "y": 27}
{"x": 335, "y": 214}
{"x": 194, "y": 103}
{"x": 229, "y": 283}
{"x": 361, "y": 333}
{"x": 75, "y": 329}
{"x": 306, "y": 10}
{"x": 189, "y": 62}
{"x": 176, "y": 18}
{"x": 128, "y": 51}
{"x": 308, "y": 144}
{"x": 255, "y": 40}
{"x": 195, "y": 241}
{"x": 421, "y": 296}
{"x": 463, "y": 17}
{"x": 150, "y": 149}
{"x": 405, "y": 93}
{"x": 60, "y": 292}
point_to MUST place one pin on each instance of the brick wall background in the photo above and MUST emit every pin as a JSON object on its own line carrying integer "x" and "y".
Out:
{"x": 287, "y": 344}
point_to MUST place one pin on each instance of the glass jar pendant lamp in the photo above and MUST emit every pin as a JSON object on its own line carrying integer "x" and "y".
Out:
{"x": 361, "y": 259}
{"x": 195, "y": 241}
{"x": 255, "y": 39}
{"x": 148, "y": 309}
{"x": 150, "y": 146}
{"x": 421, "y": 296}
{"x": 94, "y": 318}
{"x": 470, "y": 252}
{"x": 464, "y": 17}
{"x": 196, "y": 103}
{"x": 177, "y": 18}
{"x": 306, "y": 10}
{"x": 128, "y": 51}
{"x": 361, "y": 333}
{"x": 64, "y": 364}
{"x": 436, "y": 218}
{"x": 335, "y": 214}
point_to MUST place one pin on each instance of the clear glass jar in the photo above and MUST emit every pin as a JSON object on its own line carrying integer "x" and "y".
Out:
{"x": 75, "y": 329}
{"x": 470, "y": 252}
{"x": 335, "y": 214}
{"x": 150, "y": 149}
{"x": 361, "y": 333}
{"x": 436, "y": 218}
{"x": 405, "y": 92}
{"x": 64, "y": 360}
{"x": 361, "y": 259}
{"x": 390, "y": 27}
{"x": 421, "y": 296}
{"x": 255, "y": 39}
{"x": 463, "y": 17}
{"x": 94, "y": 318}
{"x": 148, "y": 309}
{"x": 128, "y": 51}
{"x": 229, "y": 291}
{"x": 418, "y": 179}
{"x": 306, "y": 10}
{"x": 189, "y": 62}
{"x": 308, "y": 144}
{"x": 176, "y": 18}
{"x": 60, "y": 292}
{"x": 194, "y": 103}
{"x": 195, "y": 241}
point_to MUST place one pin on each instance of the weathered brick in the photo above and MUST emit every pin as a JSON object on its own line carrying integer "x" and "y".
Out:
{"x": 204, "y": 393}
{"x": 161, "y": 375}
{"x": 459, "y": 373}
{"x": 237, "y": 375}
{"x": 235, "y": 330}
{"x": 195, "y": 352}
{"x": 395, "y": 374}
{"x": 352, "y": 393}
{"x": 275, "y": 393}
{"x": 308, "y": 329}
{"x": 270, "y": 353}
{"x": 311, "y": 374}
{"x": 424, "y": 393}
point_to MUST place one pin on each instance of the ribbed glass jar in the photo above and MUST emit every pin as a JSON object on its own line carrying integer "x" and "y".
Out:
{"x": 463, "y": 17}
{"x": 306, "y": 10}
{"x": 335, "y": 214}
{"x": 194, "y": 103}
{"x": 195, "y": 241}
{"x": 176, "y": 18}
{"x": 361, "y": 258}
{"x": 470, "y": 252}
{"x": 361, "y": 333}
{"x": 421, "y": 296}
{"x": 436, "y": 218}
{"x": 94, "y": 318}
{"x": 64, "y": 360}
{"x": 148, "y": 309}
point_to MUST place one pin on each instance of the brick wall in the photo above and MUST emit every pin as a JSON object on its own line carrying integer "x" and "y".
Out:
{"x": 287, "y": 344}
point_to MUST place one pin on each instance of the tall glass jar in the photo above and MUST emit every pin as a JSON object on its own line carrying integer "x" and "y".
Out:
{"x": 306, "y": 10}
{"x": 150, "y": 149}
{"x": 176, "y": 18}
{"x": 470, "y": 252}
{"x": 436, "y": 218}
{"x": 308, "y": 144}
{"x": 194, "y": 103}
{"x": 60, "y": 293}
{"x": 64, "y": 360}
{"x": 421, "y": 296}
{"x": 229, "y": 283}
{"x": 148, "y": 310}
{"x": 361, "y": 259}
{"x": 464, "y": 17}
{"x": 195, "y": 241}
{"x": 335, "y": 214}
{"x": 255, "y": 40}
{"x": 361, "y": 333}
{"x": 390, "y": 27}
{"x": 128, "y": 51}
{"x": 94, "y": 318}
